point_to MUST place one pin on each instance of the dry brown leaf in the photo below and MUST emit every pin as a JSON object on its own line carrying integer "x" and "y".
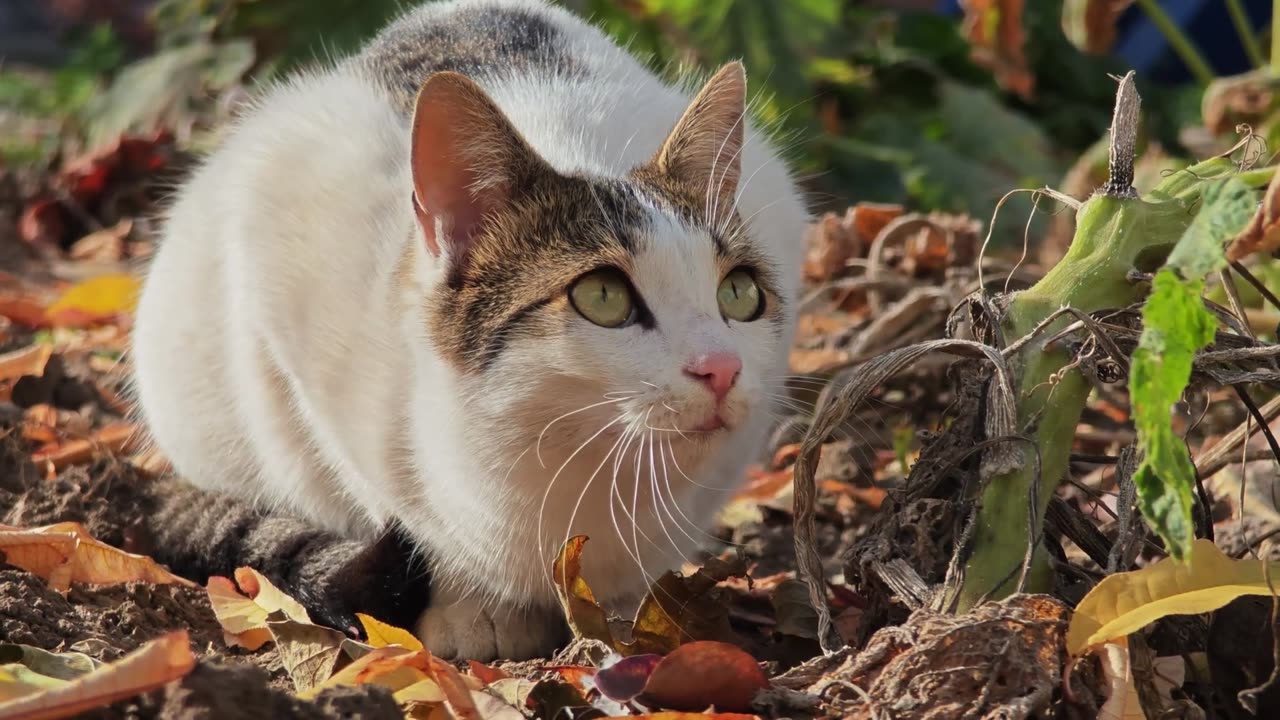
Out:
{"x": 108, "y": 441}
{"x": 25, "y": 361}
{"x": 996, "y": 40}
{"x": 700, "y": 675}
{"x": 65, "y": 553}
{"x": 585, "y": 616}
{"x": 160, "y": 661}
{"x": 243, "y": 616}
{"x": 816, "y": 362}
{"x": 486, "y": 673}
{"x": 1090, "y": 25}
{"x": 309, "y": 653}
{"x": 102, "y": 246}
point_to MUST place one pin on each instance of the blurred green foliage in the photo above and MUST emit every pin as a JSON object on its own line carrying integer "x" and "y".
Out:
{"x": 872, "y": 104}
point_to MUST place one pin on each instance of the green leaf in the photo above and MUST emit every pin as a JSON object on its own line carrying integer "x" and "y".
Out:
{"x": 1176, "y": 326}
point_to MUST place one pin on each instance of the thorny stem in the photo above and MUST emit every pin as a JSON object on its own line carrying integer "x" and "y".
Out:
{"x": 1240, "y": 19}
{"x": 1190, "y": 56}
{"x": 1115, "y": 229}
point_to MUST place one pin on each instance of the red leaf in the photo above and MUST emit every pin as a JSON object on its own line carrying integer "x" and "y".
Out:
{"x": 625, "y": 679}
{"x": 704, "y": 674}
{"x": 42, "y": 223}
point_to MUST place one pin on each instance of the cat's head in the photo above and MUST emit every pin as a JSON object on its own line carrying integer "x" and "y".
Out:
{"x": 574, "y": 305}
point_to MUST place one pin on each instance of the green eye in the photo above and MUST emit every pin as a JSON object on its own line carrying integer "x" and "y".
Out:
{"x": 604, "y": 298}
{"x": 739, "y": 297}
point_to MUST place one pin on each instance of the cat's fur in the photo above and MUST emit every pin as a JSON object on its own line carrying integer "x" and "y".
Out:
{"x": 314, "y": 339}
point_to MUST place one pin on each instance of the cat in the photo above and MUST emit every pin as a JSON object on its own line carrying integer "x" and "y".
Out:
{"x": 491, "y": 280}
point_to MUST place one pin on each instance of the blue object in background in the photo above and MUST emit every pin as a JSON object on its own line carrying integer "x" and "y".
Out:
{"x": 1207, "y": 23}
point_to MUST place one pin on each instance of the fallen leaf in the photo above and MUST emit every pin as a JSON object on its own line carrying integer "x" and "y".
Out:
{"x": 1122, "y": 694}
{"x": 817, "y": 362}
{"x": 794, "y": 612}
{"x": 105, "y": 442}
{"x": 309, "y": 653}
{"x": 485, "y": 673}
{"x": 61, "y": 666}
{"x": 65, "y": 553}
{"x": 97, "y": 300}
{"x": 25, "y": 361}
{"x": 392, "y": 667}
{"x": 381, "y": 634}
{"x": 1125, "y": 602}
{"x": 625, "y": 679}
{"x": 686, "y": 716}
{"x": 996, "y": 40}
{"x": 102, "y": 246}
{"x": 577, "y": 676}
{"x": 679, "y": 609}
{"x": 23, "y": 310}
{"x": 586, "y": 618}
{"x": 243, "y": 616}
{"x": 153, "y": 665}
{"x": 705, "y": 674}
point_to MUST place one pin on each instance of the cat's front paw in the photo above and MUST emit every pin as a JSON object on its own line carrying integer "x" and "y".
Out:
{"x": 471, "y": 629}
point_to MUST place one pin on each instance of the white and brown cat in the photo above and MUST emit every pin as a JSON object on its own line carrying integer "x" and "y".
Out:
{"x": 489, "y": 279}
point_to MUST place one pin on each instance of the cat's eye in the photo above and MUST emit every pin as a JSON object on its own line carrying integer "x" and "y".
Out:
{"x": 740, "y": 297}
{"x": 604, "y": 297}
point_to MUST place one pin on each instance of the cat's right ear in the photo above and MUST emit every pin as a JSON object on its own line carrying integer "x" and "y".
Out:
{"x": 467, "y": 160}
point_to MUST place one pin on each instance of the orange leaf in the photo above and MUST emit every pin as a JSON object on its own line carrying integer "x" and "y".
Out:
{"x": 163, "y": 660}
{"x": 25, "y": 361}
{"x": 23, "y": 310}
{"x": 703, "y": 674}
{"x": 813, "y": 362}
{"x": 381, "y": 634}
{"x": 485, "y": 673}
{"x": 65, "y": 553}
{"x": 684, "y": 716}
{"x": 585, "y": 616}
{"x": 996, "y": 39}
{"x": 108, "y": 441}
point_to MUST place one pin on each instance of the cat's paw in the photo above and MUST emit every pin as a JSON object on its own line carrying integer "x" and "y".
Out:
{"x": 473, "y": 630}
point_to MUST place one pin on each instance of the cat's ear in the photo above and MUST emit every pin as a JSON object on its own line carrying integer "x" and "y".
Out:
{"x": 704, "y": 151}
{"x": 467, "y": 160}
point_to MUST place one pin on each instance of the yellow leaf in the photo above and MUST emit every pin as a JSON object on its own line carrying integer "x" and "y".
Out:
{"x": 1125, "y": 602}
{"x": 244, "y": 617}
{"x": 96, "y": 299}
{"x": 64, "y": 553}
{"x": 424, "y": 691}
{"x": 381, "y": 634}
{"x": 586, "y": 617}
{"x": 160, "y": 661}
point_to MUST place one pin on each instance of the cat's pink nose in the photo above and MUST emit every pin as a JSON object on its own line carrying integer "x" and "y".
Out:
{"x": 717, "y": 370}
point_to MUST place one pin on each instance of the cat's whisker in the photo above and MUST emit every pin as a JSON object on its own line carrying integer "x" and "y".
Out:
{"x": 542, "y": 508}
{"x": 585, "y": 488}
{"x": 675, "y": 461}
{"x": 542, "y": 434}
{"x": 656, "y": 493}
{"x": 666, "y": 480}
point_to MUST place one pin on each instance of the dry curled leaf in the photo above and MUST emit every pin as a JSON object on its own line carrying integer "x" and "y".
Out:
{"x": 996, "y": 40}
{"x": 381, "y": 634}
{"x": 25, "y": 361}
{"x": 160, "y": 661}
{"x": 66, "y": 553}
{"x": 625, "y": 679}
{"x": 1125, "y": 602}
{"x": 485, "y": 673}
{"x": 309, "y": 653}
{"x": 243, "y": 616}
{"x": 585, "y": 616}
{"x": 106, "y": 441}
{"x": 1262, "y": 234}
{"x": 1090, "y": 25}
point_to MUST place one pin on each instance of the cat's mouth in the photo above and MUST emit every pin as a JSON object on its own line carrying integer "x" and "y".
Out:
{"x": 713, "y": 423}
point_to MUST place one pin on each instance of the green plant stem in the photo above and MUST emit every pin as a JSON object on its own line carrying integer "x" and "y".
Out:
{"x": 1191, "y": 57}
{"x": 1275, "y": 37}
{"x": 1112, "y": 235}
{"x": 1240, "y": 19}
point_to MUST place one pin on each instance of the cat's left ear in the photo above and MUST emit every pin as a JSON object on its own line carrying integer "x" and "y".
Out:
{"x": 468, "y": 160}
{"x": 704, "y": 151}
